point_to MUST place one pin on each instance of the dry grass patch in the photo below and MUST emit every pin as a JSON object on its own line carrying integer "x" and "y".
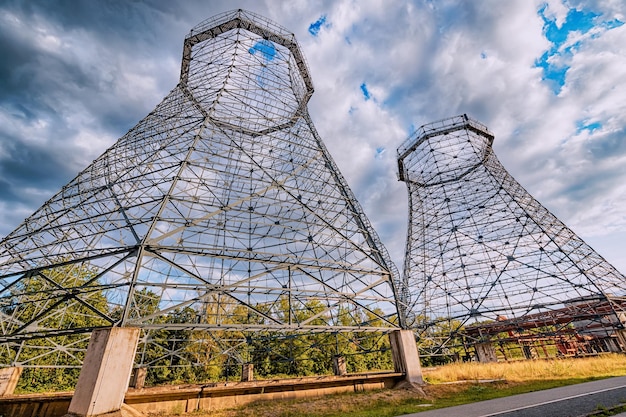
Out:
{"x": 513, "y": 378}
{"x": 333, "y": 405}
{"x": 371, "y": 403}
{"x": 591, "y": 367}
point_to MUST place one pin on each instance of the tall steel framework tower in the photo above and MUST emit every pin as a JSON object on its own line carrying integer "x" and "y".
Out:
{"x": 486, "y": 264}
{"x": 219, "y": 218}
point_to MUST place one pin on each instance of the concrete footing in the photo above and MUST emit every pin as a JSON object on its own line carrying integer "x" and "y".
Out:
{"x": 8, "y": 380}
{"x": 621, "y": 336}
{"x": 247, "y": 372}
{"x": 138, "y": 378}
{"x": 405, "y": 356}
{"x": 105, "y": 374}
{"x": 339, "y": 366}
{"x": 485, "y": 352}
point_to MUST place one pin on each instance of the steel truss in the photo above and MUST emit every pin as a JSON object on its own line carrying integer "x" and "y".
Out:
{"x": 482, "y": 253}
{"x": 219, "y": 220}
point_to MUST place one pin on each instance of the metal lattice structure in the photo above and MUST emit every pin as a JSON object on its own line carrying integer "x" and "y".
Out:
{"x": 218, "y": 218}
{"x": 484, "y": 259}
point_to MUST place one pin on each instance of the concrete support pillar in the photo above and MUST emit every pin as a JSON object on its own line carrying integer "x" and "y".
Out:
{"x": 530, "y": 352}
{"x": 138, "y": 378}
{"x": 485, "y": 352}
{"x": 247, "y": 372}
{"x": 613, "y": 345}
{"x": 105, "y": 374}
{"x": 8, "y": 380}
{"x": 405, "y": 356}
{"x": 621, "y": 336}
{"x": 339, "y": 365}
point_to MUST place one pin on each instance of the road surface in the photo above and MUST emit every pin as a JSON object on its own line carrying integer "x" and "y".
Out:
{"x": 570, "y": 401}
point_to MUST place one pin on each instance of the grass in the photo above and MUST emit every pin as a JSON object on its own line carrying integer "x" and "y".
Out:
{"x": 518, "y": 371}
{"x": 605, "y": 412}
{"x": 449, "y": 385}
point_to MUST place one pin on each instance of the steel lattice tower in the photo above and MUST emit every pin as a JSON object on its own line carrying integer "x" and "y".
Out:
{"x": 219, "y": 217}
{"x": 484, "y": 259}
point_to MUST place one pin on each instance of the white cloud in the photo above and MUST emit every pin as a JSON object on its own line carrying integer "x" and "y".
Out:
{"x": 421, "y": 61}
{"x": 557, "y": 10}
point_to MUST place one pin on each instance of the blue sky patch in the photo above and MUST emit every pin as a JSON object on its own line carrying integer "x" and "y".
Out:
{"x": 612, "y": 24}
{"x": 553, "y": 60}
{"x": 266, "y": 48}
{"x": 553, "y": 74}
{"x": 584, "y": 125}
{"x": 576, "y": 20}
{"x": 365, "y": 91}
{"x": 379, "y": 152}
{"x": 316, "y": 27}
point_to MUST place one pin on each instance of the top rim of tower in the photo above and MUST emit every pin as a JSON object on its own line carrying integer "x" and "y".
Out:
{"x": 230, "y": 15}
{"x": 262, "y": 26}
{"x": 440, "y": 127}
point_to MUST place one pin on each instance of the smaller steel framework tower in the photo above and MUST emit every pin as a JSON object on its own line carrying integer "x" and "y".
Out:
{"x": 488, "y": 267}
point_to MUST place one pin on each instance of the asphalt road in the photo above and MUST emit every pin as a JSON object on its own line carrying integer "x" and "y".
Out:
{"x": 571, "y": 401}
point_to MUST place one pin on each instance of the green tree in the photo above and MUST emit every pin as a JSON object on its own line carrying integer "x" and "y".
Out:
{"x": 68, "y": 299}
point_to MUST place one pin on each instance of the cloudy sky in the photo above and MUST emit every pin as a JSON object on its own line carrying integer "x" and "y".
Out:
{"x": 548, "y": 78}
